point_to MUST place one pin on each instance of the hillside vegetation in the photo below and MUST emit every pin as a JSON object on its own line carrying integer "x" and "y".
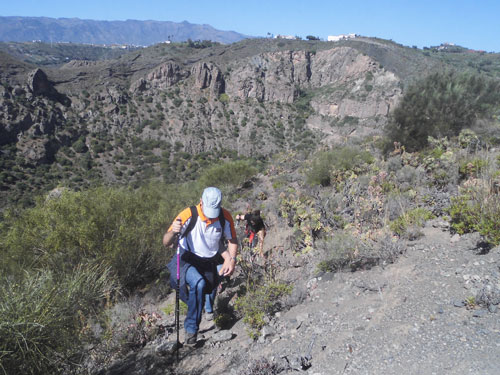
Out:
{"x": 75, "y": 253}
{"x": 346, "y": 215}
{"x": 166, "y": 112}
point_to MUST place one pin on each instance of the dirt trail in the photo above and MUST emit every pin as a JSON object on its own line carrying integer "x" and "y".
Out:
{"x": 408, "y": 317}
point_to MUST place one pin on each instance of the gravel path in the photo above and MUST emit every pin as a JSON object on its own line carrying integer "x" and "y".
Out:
{"x": 410, "y": 317}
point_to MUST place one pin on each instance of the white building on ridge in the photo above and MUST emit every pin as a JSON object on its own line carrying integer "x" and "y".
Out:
{"x": 336, "y": 38}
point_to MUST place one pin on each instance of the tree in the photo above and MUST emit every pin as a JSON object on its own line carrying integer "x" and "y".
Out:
{"x": 440, "y": 105}
{"x": 311, "y": 37}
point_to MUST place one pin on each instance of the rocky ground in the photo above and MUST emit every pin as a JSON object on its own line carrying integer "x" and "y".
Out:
{"x": 434, "y": 311}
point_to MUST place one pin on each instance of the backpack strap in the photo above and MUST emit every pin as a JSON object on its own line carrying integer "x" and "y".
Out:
{"x": 222, "y": 220}
{"x": 192, "y": 222}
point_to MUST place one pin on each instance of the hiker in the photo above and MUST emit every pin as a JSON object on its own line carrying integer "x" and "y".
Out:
{"x": 199, "y": 244}
{"x": 254, "y": 226}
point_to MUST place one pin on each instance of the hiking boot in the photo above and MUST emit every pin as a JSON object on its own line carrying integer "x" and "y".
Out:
{"x": 209, "y": 316}
{"x": 190, "y": 339}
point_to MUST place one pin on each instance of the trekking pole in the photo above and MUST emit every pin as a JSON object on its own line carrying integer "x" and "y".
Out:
{"x": 177, "y": 292}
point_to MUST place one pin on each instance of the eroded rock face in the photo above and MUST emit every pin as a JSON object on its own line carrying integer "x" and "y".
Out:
{"x": 39, "y": 84}
{"x": 139, "y": 86}
{"x": 339, "y": 65}
{"x": 208, "y": 76}
{"x": 163, "y": 76}
{"x": 11, "y": 130}
{"x": 353, "y": 84}
{"x": 115, "y": 96}
{"x": 35, "y": 152}
{"x": 166, "y": 75}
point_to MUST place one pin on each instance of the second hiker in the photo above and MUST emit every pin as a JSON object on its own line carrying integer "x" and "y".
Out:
{"x": 254, "y": 226}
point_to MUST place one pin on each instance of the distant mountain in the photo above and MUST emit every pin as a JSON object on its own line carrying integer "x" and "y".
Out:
{"x": 132, "y": 32}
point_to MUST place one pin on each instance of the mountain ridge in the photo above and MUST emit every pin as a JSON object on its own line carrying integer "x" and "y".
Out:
{"x": 129, "y": 32}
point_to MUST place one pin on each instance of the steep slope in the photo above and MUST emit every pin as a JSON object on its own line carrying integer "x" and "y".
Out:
{"x": 409, "y": 316}
{"x": 431, "y": 308}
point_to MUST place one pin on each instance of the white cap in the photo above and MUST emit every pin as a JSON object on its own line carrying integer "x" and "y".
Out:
{"x": 211, "y": 198}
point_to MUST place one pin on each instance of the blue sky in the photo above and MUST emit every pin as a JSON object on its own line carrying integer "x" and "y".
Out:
{"x": 469, "y": 23}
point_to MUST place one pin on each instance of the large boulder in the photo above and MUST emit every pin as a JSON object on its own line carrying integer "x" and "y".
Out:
{"x": 39, "y": 84}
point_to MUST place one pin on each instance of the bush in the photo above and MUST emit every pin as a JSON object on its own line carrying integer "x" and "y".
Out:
{"x": 441, "y": 105}
{"x": 476, "y": 209}
{"x": 263, "y": 366}
{"x": 300, "y": 213}
{"x": 468, "y": 139}
{"x": 416, "y": 217}
{"x": 472, "y": 168}
{"x": 120, "y": 228}
{"x": 89, "y": 245}
{"x": 232, "y": 173}
{"x": 346, "y": 250}
{"x": 43, "y": 318}
{"x": 259, "y": 302}
{"x": 341, "y": 251}
{"x": 224, "y": 98}
{"x": 332, "y": 165}
{"x": 79, "y": 145}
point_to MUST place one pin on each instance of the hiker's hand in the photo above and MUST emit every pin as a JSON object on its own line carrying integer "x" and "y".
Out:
{"x": 177, "y": 225}
{"x": 228, "y": 267}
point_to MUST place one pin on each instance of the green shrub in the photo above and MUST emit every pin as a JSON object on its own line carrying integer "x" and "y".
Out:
{"x": 416, "y": 217}
{"x": 224, "y": 98}
{"x": 232, "y": 173}
{"x": 472, "y": 168}
{"x": 440, "y": 105}
{"x": 476, "y": 210}
{"x": 44, "y": 316}
{"x": 467, "y": 139}
{"x": 118, "y": 227}
{"x": 328, "y": 165}
{"x": 341, "y": 251}
{"x": 80, "y": 146}
{"x": 346, "y": 250}
{"x": 300, "y": 213}
{"x": 259, "y": 302}
{"x": 170, "y": 309}
{"x": 302, "y": 102}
